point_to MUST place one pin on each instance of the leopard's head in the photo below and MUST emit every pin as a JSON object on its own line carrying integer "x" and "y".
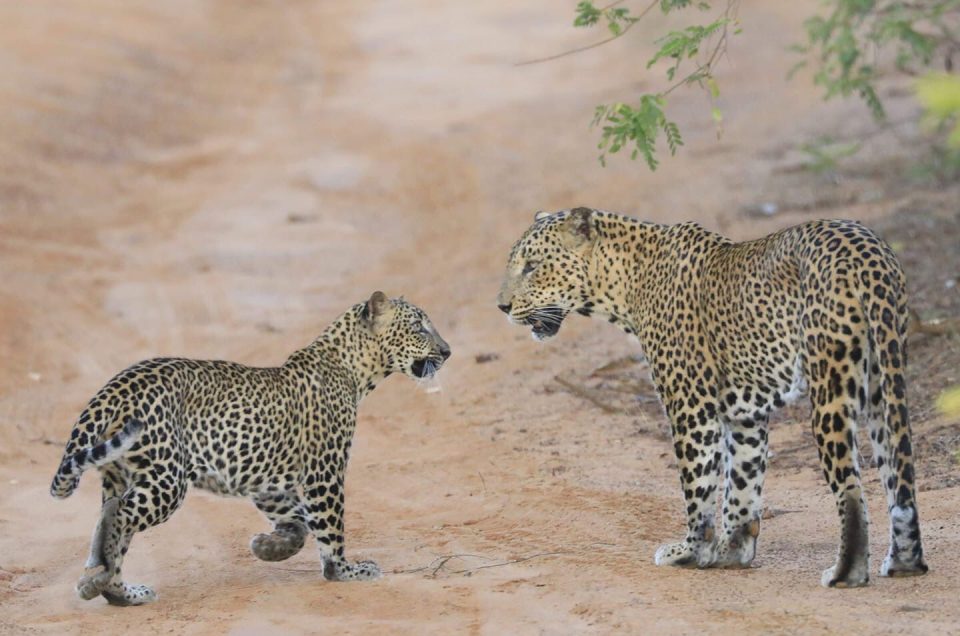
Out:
{"x": 409, "y": 341}
{"x": 547, "y": 274}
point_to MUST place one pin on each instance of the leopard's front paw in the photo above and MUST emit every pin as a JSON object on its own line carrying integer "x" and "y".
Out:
{"x": 842, "y": 575}
{"x": 736, "y": 548}
{"x": 343, "y": 570}
{"x": 732, "y": 553}
{"x": 684, "y": 554}
{"x": 895, "y": 565}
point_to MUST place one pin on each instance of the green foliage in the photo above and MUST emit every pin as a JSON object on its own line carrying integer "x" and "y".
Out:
{"x": 844, "y": 43}
{"x": 618, "y": 18}
{"x": 940, "y": 96}
{"x": 669, "y": 5}
{"x": 624, "y": 125}
{"x": 682, "y": 45}
{"x": 949, "y": 402}
{"x": 587, "y": 15}
{"x": 824, "y": 153}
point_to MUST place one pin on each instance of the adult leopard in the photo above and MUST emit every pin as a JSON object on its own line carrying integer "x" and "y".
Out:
{"x": 732, "y": 331}
{"x": 280, "y": 436}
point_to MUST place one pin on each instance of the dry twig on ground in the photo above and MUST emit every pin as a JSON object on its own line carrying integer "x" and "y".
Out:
{"x": 585, "y": 392}
{"x": 936, "y": 327}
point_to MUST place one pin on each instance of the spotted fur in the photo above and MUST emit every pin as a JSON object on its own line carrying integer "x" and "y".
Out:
{"x": 733, "y": 331}
{"x": 280, "y": 436}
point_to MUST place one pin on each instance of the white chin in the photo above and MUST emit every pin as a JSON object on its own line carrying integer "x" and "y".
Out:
{"x": 541, "y": 337}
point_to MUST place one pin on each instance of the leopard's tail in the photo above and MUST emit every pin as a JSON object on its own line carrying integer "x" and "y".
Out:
{"x": 109, "y": 450}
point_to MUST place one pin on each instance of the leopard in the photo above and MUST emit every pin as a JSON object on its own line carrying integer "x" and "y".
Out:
{"x": 733, "y": 331}
{"x": 279, "y": 436}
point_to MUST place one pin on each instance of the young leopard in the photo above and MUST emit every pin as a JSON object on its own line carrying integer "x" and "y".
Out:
{"x": 732, "y": 331}
{"x": 280, "y": 436}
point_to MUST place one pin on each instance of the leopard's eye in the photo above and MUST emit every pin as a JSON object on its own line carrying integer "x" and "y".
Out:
{"x": 529, "y": 267}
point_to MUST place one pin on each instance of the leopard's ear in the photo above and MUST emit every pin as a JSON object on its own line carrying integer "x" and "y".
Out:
{"x": 540, "y": 215}
{"x": 376, "y": 309}
{"x": 578, "y": 227}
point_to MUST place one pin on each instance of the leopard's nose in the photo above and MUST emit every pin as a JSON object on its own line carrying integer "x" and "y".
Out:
{"x": 505, "y": 308}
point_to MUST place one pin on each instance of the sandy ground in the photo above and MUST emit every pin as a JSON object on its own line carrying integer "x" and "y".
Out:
{"x": 220, "y": 180}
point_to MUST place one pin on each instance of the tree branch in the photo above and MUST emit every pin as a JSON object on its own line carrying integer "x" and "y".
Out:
{"x": 595, "y": 44}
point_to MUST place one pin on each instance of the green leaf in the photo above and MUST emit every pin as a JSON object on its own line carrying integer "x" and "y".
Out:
{"x": 685, "y": 43}
{"x": 940, "y": 96}
{"x": 587, "y": 14}
{"x": 637, "y": 126}
{"x": 669, "y": 5}
{"x": 672, "y": 132}
{"x": 825, "y": 153}
{"x": 869, "y": 95}
{"x": 949, "y": 402}
{"x": 853, "y": 31}
{"x": 795, "y": 68}
{"x": 713, "y": 87}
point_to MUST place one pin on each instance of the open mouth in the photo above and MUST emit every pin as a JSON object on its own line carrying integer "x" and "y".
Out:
{"x": 425, "y": 367}
{"x": 545, "y": 323}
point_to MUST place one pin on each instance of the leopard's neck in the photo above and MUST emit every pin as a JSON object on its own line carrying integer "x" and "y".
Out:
{"x": 346, "y": 345}
{"x": 618, "y": 265}
{"x": 639, "y": 270}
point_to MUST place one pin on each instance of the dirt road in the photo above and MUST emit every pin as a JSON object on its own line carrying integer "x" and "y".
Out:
{"x": 220, "y": 180}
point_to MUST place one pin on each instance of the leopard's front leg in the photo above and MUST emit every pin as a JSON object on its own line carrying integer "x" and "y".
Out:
{"x": 697, "y": 444}
{"x": 325, "y": 522}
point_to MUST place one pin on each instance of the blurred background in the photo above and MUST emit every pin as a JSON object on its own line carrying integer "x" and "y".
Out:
{"x": 221, "y": 180}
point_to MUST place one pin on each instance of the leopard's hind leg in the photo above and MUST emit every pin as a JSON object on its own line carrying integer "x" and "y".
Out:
{"x": 745, "y": 467}
{"x": 155, "y": 493}
{"x": 95, "y": 576}
{"x": 892, "y": 452}
{"x": 836, "y": 372}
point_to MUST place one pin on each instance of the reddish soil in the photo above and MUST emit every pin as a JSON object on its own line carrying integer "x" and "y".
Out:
{"x": 220, "y": 180}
